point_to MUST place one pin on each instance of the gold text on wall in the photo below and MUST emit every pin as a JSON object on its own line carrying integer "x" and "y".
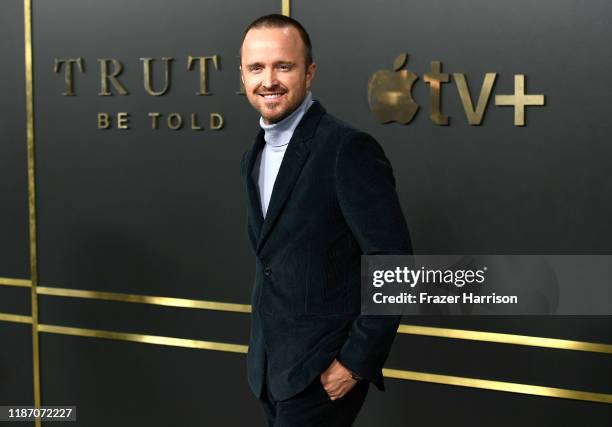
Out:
{"x": 390, "y": 95}
{"x": 111, "y": 84}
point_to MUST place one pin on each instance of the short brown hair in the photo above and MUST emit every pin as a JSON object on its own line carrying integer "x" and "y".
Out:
{"x": 281, "y": 21}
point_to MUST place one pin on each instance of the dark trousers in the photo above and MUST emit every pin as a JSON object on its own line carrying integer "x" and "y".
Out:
{"x": 312, "y": 407}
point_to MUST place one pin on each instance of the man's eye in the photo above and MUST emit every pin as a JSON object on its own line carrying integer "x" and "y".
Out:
{"x": 285, "y": 67}
{"x": 255, "y": 69}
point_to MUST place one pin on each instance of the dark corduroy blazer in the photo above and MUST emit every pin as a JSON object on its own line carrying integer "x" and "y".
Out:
{"x": 333, "y": 200}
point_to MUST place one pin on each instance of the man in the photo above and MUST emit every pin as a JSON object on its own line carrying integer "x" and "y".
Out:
{"x": 320, "y": 194}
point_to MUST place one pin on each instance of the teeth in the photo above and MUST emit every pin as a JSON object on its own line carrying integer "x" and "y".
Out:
{"x": 273, "y": 95}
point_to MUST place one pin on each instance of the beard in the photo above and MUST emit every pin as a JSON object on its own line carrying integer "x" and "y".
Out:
{"x": 275, "y": 111}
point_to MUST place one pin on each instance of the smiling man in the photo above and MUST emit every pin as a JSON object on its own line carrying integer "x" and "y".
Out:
{"x": 320, "y": 194}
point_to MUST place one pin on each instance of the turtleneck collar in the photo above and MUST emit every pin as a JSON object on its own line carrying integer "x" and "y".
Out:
{"x": 279, "y": 134}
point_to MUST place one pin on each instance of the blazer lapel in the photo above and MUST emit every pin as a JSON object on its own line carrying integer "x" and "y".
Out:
{"x": 291, "y": 166}
{"x": 251, "y": 183}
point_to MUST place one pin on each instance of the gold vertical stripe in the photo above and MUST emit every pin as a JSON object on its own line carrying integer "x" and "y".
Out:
{"x": 10, "y": 281}
{"x": 505, "y": 338}
{"x": 286, "y": 7}
{"x": 27, "y": 9}
{"x": 535, "y": 390}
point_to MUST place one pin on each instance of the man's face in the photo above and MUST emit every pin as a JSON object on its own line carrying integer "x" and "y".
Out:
{"x": 273, "y": 70}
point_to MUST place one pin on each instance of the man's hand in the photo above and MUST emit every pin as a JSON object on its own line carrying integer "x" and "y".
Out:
{"x": 337, "y": 380}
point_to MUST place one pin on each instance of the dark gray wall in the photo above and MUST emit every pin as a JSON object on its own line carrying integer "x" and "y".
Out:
{"x": 14, "y": 259}
{"x": 163, "y": 212}
{"x": 543, "y": 188}
{"x": 140, "y": 210}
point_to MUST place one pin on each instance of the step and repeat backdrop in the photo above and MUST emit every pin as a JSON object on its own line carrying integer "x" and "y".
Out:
{"x": 125, "y": 270}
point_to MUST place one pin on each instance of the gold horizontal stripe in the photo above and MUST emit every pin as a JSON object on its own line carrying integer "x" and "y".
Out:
{"x": 10, "y": 281}
{"x": 246, "y": 308}
{"x": 405, "y": 329}
{"x": 16, "y": 318}
{"x": 389, "y": 373}
{"x": 147, "y": 339}
{"x": 498, "y": 386}
{"x": 505, "y": 338}
{"x": 145, "y": 299}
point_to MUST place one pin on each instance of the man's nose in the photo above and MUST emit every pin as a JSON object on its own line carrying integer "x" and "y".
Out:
{"x": 269, "y": 78}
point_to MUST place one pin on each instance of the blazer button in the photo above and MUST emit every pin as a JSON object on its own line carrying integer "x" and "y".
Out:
{"x": 267, "y": 270}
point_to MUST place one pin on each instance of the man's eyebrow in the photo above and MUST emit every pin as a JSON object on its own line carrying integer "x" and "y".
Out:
{"x": 260, "y": 64}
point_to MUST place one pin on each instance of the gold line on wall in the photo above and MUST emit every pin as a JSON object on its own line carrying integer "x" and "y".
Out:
{"x": 27, "y": 9}
{"x": 498, "y": 385}
{"x": 505, "y": 338}
{"x": 145, "y": 299}
{"x": 389, "y": 373}
{"x": 286, "y": 7}
{"x": 15, "y": 318}
{"x": 495, "y": 337}
{"x": 147, "y": 339}
{"x": 9, "y": 281}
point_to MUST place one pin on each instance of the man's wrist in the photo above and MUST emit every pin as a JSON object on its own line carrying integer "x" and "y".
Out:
{"x": 354, "y": 376}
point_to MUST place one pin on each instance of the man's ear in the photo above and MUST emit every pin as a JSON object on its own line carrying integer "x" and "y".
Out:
{"x": 241, "y": 77}
{"x": 310, "y": 73}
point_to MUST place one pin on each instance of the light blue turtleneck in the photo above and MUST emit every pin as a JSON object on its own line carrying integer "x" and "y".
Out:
{"x": 277, "y": 137}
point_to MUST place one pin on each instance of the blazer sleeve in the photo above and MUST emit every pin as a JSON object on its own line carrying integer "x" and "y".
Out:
{"x": 366, "y": 193}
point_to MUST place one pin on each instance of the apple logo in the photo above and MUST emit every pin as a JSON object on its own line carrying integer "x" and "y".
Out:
{"x": 390, "y": 93}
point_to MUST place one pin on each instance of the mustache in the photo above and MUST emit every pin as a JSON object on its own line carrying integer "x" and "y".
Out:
{"x": 271, "y": 90}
